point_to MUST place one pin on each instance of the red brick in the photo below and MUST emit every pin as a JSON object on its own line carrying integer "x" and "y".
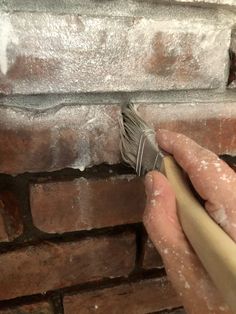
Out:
{"x": 151, "y": 257}
{"x": 49, "y": 53}
{"x": 83, "y": 136}
{"x": 85, "y": 204}
{"x": 71, "y": 136}
{"x": 10, "y": 220}
{"x": 135, "y": 298}
{"x": 212, "y": 126}
{"x": 35, "y": 308}
{"x": 38, "y": 269}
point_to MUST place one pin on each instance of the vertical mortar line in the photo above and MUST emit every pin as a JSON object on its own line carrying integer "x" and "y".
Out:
{"x": 232, "y": 67}
{"x": 22, "y": 185}
{"x": 139, "y": 230}
{"x": 57, "y": 303}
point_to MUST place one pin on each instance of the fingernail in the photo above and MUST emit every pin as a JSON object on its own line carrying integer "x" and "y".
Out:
{"x": 149, "y": 184}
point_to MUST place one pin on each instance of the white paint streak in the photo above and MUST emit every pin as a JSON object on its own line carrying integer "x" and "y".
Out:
{"x": 7, "y": 37}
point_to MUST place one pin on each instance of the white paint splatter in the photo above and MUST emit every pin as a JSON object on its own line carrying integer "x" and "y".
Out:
{"x": 153, "y": 202}
{"x": 186, "y": 285}
{"x": 156, "y": 193}
{"x": 165, "y": 251}
{"x": 226, "y": 178}
{"x": 96, "y": 306}
{"x": 220, "y": 217}
{"x": 203, "y": 165}
{"x": 223, "y": 308}
{"x": 7, "y": 36}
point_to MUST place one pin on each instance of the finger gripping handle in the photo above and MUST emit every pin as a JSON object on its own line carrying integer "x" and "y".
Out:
{"x": 215, "y": 249}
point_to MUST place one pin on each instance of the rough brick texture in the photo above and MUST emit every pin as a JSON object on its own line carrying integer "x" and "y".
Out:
{"x": 85, "y": 204}
{"x": 36, "y": 308}
{"x": 151, "y": 258}
{"x": 10, "y": 220}
{"x": 37, "y": 269}
{"x": 121, "y": 7}
{"x": 66, "y": 68}
{"x": 135, "y": 298}
{"x": 73, "y": 136}
{"x": 83, "y": 136}
{"x": 46, "y": 53}
{"x": 230, "y": 3}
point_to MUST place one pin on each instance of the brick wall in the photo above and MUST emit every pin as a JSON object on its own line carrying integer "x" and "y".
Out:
{"x": 71, "y": 233}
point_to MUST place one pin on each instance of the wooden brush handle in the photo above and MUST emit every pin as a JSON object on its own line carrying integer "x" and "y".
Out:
{"x": 215, "y": 249}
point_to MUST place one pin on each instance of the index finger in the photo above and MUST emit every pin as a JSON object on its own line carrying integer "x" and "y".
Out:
{"x": 212, "y": 178}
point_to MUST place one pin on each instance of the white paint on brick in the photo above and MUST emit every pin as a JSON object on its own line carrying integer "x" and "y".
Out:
{"x": 7, "y": 37}
{"x": 107, "y": 54}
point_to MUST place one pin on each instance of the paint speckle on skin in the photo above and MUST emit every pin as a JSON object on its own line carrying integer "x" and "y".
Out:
{"x": 203, "y": 165}
{"x": 186, "y": 285}
{"x": 220, "y": 217}
{"x": 96, "y": 306}
{"x": 226, "y": 178}
{"x": 165, "y": 251}
{"x": 153, "y": 202}
{"x": 7, "y": 37}
{"x": 223, "y": 308}
{"x": 156, "y": 193}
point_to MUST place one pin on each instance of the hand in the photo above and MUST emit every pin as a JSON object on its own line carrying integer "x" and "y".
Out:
{"x": 215, "y": 182}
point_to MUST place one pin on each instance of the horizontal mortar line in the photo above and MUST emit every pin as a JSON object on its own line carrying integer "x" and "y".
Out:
{"x": 116, "y": 98}
{"x": 167, "y": 310}
{"x": 101, "y": 171}
{"x": 87, "y": 287}
{"x": 192, "y": 7}
{"x": 42, "y": 238}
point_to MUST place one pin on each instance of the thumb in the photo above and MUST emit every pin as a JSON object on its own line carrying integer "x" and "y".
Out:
{"x": 160, "y": 216}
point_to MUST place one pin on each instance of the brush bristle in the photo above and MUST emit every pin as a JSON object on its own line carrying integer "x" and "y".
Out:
{"x": 133, "y": 129}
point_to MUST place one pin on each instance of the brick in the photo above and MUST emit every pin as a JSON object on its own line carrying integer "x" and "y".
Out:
{"x": 85, "y": 204}
{"x": 212, "y": 126}
{"x": 10, "y": 219}
{"x": 48, "y": 53}
{"x": 229, "y": 3}
{"x": 49, "y": 266}
{"x": 135, "y": 298}
{"x": 83, "y": 136}
{"x": 151, "y": 258}
{"x": 70, "y": 136}
{"x": 35, "y": 308}
{"x": 121, "y": 7}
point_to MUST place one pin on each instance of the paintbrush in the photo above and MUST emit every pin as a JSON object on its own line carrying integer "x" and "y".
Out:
{"x": 215, "y": 249}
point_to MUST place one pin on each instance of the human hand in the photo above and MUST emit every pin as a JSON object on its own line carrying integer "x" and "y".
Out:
{"x": 215, "y": 182}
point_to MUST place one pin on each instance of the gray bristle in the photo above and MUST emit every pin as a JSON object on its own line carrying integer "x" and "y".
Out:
{"x": 132, "y": 127}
